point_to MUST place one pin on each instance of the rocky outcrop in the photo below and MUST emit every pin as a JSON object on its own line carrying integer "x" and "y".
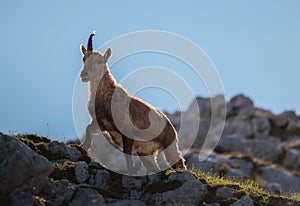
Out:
{"x": 20, "y": 166}
{"x": 252, "y": 138}
{"x": 60, "y": 177}
{"x": 29, "y": 176}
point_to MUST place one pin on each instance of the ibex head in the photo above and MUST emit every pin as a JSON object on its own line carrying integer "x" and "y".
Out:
{"x": 94, "y": 61}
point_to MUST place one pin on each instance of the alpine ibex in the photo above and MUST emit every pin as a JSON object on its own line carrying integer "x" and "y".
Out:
{"x": 130, "y": 121}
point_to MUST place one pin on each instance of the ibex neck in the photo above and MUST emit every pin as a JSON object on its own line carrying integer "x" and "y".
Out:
{"x": 108, "y": 81}
{"x": 104, "y": 83}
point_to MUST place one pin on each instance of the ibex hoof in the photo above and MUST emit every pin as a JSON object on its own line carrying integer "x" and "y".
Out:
{"x": 180, "y": 165}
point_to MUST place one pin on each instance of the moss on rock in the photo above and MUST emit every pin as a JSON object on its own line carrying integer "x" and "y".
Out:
{"x": 34, "y": 138}
{"x": 64, "y": 171}
{"x": 29, "y": 143}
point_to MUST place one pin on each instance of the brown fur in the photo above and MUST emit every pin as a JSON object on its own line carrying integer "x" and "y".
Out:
{"x": 138, "y": 112}
{"x": 101, "y": 112}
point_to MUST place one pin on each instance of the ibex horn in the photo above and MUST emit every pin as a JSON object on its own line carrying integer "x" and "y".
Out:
{"x": 90, "y": 43}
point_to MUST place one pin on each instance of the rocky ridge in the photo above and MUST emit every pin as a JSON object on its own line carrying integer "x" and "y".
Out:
{"x": 37, "y": 171}
{"x": 255, "y": 144}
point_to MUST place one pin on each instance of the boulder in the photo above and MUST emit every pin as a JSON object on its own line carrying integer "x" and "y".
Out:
{"x": 282, "y": 120}
{"x": 268, "y": 151}
{"x": 201, "y": 106}
{"x": 153, "y": 178}
{"x": 292, "y": 159}
{"x": 238, "y": 127}
{"x": 240, "y": 105}
{"x": 134, "y": 186}
{"x": 261, "y": 126}
{"x": 101, "y": 179}
{"x": 239, "y": 168}
{"x": 19, "y": 164}
{"x": 87, "y": 196}
{"x": 243, "y": 201}
{"x": 20, "y": 198}
{"x": 293, "y": 127}
{"x": 59, "y": 150}
{"x": 227, "y": 165}
{"x": 190, "y": 193}
{"x": 285, "y": 181}
{"x": 209, "y": 165}
{"x": 284, "y": 125}
{"x": 225, "y": 192}
{"x": 204, "y": 107}
{"x": 81, "y": 172}
{"x": 116, "y": 202}
{"x": 182, "y": 176}
{"x": 58, "y": 192}
{"x": 193, "y": 125}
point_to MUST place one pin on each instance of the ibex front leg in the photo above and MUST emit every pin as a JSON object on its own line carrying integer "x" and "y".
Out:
{"x": 92, "y": 128}
{"x": 127, "y": 149}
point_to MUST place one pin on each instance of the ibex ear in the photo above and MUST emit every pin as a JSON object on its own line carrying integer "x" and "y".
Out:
{"x": 107, "y": 54}
{"x": 83, "y": 49}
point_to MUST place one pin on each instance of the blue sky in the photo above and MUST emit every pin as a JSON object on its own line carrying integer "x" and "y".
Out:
{"x": 253, "y": 44}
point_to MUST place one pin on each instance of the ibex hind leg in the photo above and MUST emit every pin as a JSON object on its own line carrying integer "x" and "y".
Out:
{"x": 150, "y": 163}
{"x": 174, "y": 157}
{"x": 127, "y": 149}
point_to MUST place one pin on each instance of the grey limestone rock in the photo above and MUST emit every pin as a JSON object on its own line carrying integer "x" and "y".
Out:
{"x": 243, "y": 201}
{"x": 182, "y": 176}
{"x": 190, "y": 193}
{"x": 225, "y": 192}
{"x": 115, "y": 202}
{"x": 81, "y": 172}
{"x": 285, "y": 181}
{"x": 101, "y": 179}
{"x": 88, "y": 197}
{"x": 19, "y": 164}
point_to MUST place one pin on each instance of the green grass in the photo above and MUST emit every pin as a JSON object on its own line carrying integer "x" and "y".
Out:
{"x": 257, "y": 192}
{"x": 294, "y": 195}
